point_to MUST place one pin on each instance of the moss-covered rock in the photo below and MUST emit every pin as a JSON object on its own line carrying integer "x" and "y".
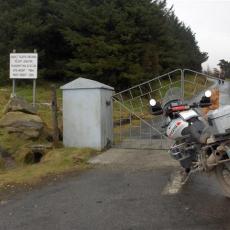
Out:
{"x": 18, "y": 104}
{"x": 26, "y": 126}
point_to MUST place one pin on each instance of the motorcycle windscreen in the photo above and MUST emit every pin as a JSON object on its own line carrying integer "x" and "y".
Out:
{"x": 172, "y": 95}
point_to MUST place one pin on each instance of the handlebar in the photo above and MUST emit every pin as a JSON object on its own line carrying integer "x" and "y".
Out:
{"x": 186, "y": 107}
{"x": 170, "y": 109}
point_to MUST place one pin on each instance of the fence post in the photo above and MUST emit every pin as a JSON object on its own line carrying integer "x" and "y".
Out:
{"x": 54, "y": 115}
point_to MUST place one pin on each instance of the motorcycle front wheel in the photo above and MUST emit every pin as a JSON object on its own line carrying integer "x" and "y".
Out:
{"x": 223, "y": 177}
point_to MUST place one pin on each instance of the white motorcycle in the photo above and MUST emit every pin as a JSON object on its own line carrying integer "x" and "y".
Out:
{"x": 201, "y": 144}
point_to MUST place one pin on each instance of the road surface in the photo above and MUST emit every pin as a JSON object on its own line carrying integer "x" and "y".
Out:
{"x": 126, "y": 189}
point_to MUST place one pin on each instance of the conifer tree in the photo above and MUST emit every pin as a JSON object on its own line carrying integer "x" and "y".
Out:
{"x": 118, "y": 42}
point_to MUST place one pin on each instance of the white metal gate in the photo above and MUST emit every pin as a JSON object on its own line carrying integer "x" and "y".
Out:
{"x": 134, "y": 126}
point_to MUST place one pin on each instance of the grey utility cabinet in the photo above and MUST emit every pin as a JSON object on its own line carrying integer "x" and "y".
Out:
{"x": 87, "y": 114}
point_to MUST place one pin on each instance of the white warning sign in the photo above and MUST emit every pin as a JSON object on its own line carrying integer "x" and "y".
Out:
{"x": 23, "y": 65}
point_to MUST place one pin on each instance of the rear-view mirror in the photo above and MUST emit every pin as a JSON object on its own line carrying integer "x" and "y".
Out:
{"x": 156, "y": 108}
{"x": 205, "y": 101}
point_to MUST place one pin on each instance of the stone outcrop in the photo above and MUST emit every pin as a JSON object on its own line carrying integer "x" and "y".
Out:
{"x": 19, "y": 104}
{"x": 20, "y": 118}
{"x": 27, "y": 126}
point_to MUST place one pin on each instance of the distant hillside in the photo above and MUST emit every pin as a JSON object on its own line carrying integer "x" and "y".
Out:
{"x": 118, "y": 42}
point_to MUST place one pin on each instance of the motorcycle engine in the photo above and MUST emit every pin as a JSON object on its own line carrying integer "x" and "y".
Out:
{"x": 184, "y": 153}
{"x": 192, "y": 137}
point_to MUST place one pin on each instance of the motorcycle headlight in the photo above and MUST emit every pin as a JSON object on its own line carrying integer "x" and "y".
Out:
{"x": 208, "y": 93}
{"x": 152, "y": 102}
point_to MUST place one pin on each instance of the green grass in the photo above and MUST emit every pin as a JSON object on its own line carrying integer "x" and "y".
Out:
{"x": 55, "y": 162}
{"x": 12, "y": 142}
{"x": 43, "y": 95}
{"x": 192, "y": 87}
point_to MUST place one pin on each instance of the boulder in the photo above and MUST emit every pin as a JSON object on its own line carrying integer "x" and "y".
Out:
{"x": 19, "y": 104}
{"x": 27, "y": 126}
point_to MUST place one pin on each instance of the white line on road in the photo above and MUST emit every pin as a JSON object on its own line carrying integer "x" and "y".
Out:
{"x": 174, "y": 185}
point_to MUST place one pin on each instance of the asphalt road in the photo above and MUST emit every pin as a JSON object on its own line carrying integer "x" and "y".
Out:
{"x": 125, "y": 190}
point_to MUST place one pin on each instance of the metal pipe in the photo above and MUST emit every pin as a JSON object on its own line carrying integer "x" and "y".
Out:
{"x": 14, "y": 88}
{"x": 219, "y": 162}
{"x": 34, "y": 92}
{"x": 215, "y": 157}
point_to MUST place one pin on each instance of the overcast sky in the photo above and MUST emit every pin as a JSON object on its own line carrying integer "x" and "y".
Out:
{"x": 210, "y": 21}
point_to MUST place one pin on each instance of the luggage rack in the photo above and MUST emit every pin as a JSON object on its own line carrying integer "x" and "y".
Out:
{"x": 222, "y": 136}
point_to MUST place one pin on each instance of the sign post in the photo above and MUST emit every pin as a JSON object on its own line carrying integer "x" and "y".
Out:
{"x": 24, "y": 66}
{"x": 34, "y": 92}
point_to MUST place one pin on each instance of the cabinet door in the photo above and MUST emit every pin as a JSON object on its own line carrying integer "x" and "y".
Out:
{"x": 107, "y": 118}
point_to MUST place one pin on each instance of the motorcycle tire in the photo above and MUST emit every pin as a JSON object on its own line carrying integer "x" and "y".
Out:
{"x": 223, "y": 176}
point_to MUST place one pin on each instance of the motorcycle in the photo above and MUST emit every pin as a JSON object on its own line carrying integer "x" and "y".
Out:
{"x": 201, "y": 143}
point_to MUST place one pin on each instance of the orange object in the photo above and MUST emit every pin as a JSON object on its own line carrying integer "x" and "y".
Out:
{"x": 214, "y": 100}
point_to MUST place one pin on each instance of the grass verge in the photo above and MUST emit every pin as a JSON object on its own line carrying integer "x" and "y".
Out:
{"x": 54, "y": 162}
{"x": 43, "y": 99}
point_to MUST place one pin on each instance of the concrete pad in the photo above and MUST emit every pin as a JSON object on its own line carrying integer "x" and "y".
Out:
{"x": 135, "y": 158}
